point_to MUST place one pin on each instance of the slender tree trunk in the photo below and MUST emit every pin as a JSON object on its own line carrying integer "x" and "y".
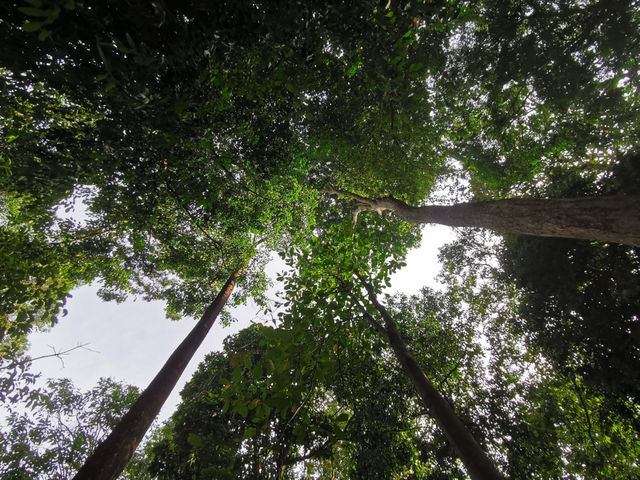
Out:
{"x": 112, "y": 455}
{"x": 606, "y": 219}
{"x": 478, "y": 464}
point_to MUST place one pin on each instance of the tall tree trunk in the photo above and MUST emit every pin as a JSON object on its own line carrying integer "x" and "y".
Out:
{"x": 112, "y": 455}
{"x": 478, "y": 464}
{"x": 606, "y": 219}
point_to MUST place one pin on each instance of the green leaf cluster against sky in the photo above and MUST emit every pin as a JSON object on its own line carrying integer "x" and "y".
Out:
{"x": 198, "y": 136}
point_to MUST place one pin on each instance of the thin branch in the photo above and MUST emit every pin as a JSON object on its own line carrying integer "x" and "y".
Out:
{"x": 587, "y": 416}
{"x": 316, "y": 452}
{"x": 54, "y": 354}
{"x": 193, "y": 219}
{"x": 377, "y": 326}
{"x": 389, "y": 322}
{"x": 446, "y": 377}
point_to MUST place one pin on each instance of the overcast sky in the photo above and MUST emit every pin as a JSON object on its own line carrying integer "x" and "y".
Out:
{"x": 131, "y": 341}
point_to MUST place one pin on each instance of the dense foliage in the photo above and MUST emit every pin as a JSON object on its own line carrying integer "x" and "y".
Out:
{"x": 49, "y": 435}
{"x": 158, "y": 147}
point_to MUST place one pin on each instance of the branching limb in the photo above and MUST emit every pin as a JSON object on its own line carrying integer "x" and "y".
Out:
{"x": 364, "y": 204}
{"x": 583, "y": 404}
{"x": 321, "y": 451}
{"x": 377, "y": 326}
{"x": 193, "y": 218}
{"x": 599, "y": 218}
{"x": 56, "y": 354}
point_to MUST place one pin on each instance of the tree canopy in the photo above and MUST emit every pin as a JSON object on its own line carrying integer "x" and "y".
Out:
{"x": 161, "y": 149}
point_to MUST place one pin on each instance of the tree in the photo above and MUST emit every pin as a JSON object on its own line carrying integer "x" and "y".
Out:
{"x": 475, "y": 459}
{"x": 607, "y": 219}
{"x": 198, "y": 135}
{"x": 131, "y": 216}
{"x": 328, "y": 270}
{"x": 217, "y": 433}
{"x": 113, "y": 454}
{"x": 541, "y": 408}
{"x": 53, "y": 436}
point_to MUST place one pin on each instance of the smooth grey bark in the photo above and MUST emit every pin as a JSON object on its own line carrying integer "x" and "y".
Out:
{"x": 112, "y": 455}
{"x": 606, "y": 219}
{"x": 479, "y": 465}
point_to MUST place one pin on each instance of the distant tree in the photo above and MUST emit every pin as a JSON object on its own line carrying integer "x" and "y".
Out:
{"x": 580, "y": 300}
{"x": 539, "y": 406}
{"x": 111, "y": 455}
{"x": 52, "y": 437}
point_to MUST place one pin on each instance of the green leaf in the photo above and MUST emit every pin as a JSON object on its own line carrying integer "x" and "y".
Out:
{"x": 31, "y": 26}
{"x": 257, "y": 372}
{"x": 300, "y": 432}
{"x": 280, "y": 402}
{"x": 249, "y": 432}
{"x": 34, "y": 12}
{"x": 271, "y": 367}
{"x": 343, "y": 417}
{"x": 195, "y": 440}
{"x": 242, "y": 409}
{"x": 415, "y": 67}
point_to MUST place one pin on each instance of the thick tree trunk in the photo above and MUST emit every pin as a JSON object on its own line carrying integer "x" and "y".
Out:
{"x": 113, "y": 454}
{"x": 479, "y": 465}
{"x": 606, "y": 219}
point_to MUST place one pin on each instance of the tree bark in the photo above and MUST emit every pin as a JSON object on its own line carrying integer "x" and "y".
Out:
{"x": 478, "y": 464}
{"x": 112, "y": 455}
{"x": 606, "y": 219}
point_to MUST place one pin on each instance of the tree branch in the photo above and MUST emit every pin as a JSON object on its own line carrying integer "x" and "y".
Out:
{"x": 54, "y": 354}
{"x": 587, "y": 416}
{"x": 612, "y": 218}
{"x": 478, "y": 464}
{"x": 316, "y": 452}
{"x": 377, "y": 326}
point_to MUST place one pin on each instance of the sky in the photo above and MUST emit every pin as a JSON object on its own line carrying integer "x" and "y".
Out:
{"x": 131, "y": 341}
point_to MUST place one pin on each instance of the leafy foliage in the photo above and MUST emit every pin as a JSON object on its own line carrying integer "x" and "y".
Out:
{"x": 52, "y": 438}
{"x": 580, "y": 301}
{"x": 196, "y": 136}
{"x": 543, "y": 405}
{"x": 251, "y": 411}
